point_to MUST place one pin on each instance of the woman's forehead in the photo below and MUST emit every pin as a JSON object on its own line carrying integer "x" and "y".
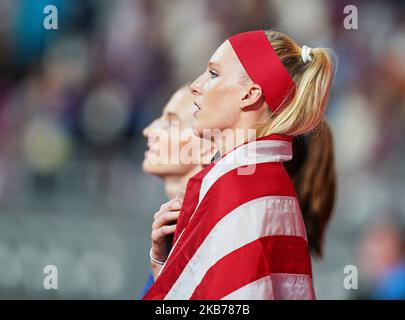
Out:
{"x": 225, "y": 56}
{"x": 223, "y": 52}
{"x": 180, "y": 104}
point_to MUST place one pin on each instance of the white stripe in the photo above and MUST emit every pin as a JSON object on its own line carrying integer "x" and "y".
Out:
{"x": 270, "y": 215}
{"x": 277, "y": 286}
{"x": 255, "y": 152}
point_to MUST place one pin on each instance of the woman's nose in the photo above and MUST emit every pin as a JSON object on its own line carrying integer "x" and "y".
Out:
{"x": 195, "y": 87}
{"x": 146, "y": 131}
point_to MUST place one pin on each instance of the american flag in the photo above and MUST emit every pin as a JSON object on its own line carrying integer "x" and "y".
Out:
{"x": 240, "y": 233}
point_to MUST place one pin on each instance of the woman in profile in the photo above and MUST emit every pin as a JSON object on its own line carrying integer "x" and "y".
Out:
{"x": 168, "y": 136}
{"x": 163, "y": 142}
{"x": 240, "y": 233}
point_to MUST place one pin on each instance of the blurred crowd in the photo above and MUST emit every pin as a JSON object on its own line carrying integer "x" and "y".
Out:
{"x": 74, "y": 101}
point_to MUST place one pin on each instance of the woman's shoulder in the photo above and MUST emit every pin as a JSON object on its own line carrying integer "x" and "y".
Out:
{"x": 269, "y": 178}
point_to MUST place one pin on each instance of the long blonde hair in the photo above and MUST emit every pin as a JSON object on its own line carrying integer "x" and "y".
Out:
{"x": 303, "y": 109}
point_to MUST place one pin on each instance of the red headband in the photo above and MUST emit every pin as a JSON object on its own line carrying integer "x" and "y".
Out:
{"x": 263, "y": 66}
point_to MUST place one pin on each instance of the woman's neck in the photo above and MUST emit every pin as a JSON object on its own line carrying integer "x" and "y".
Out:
{"x": 229, "y": 139}
{"x": 175, "y": 186}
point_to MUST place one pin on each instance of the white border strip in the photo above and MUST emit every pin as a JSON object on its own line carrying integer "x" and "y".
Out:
{"x": 276, "y": 286}
{"x": 255, "y": 152}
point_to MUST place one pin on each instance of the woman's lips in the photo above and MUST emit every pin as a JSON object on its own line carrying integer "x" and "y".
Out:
{"x": 198, "y": 109}
{"x": 151, "y": 150}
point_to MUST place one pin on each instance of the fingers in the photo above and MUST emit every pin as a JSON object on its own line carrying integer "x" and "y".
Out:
{"x": 165, "y": 218}
{"x": 161, "y": 227}
{"x": 172, "y": 205}
{"x": 160, "y": 233}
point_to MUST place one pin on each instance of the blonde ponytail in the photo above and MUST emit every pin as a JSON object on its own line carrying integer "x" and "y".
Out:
{"x": 303, "y": 109}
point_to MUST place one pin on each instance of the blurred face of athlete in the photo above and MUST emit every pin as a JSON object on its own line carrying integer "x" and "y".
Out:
{"x": 160, "y": 158}
{"x": 224, "y": 94}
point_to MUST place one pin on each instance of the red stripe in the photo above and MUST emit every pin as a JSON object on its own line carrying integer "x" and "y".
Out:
{"x": 260, "y": 258}
{"x": 226, "y": 194}
{"x": 190, "y": 200}
{"x": 275, "y": 137}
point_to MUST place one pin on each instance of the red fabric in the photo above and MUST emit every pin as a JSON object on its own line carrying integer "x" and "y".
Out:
{"x": 263, "y": 66}
{"x": 267, "y": 255}
{"x": 190, "y": 200}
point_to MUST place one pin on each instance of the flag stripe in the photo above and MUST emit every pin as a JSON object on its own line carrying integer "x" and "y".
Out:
{"x": 276, "y": 286}
{"x": 266, "y": 255}
{"x": 190, "y": 200}
{"x": 269, "y": 215}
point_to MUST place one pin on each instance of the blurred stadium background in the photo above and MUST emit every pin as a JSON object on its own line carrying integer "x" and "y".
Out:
{"x": 74, "y": 101}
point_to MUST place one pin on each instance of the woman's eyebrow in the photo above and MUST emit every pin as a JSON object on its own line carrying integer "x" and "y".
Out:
{"x": 213, "y": 65}
{"x": 172, "y": 115}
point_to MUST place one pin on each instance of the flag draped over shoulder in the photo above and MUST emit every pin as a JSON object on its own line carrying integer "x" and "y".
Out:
{"x": 240, "y": 233}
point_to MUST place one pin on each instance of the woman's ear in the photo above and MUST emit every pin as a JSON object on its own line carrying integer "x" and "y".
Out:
{"x": 251, "y": 95}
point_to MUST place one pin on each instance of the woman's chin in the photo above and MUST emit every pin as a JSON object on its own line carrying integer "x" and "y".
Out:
{"x": 147, "y": 167}
{"x": 197, "y": 129}
{"x": 152, "y": 168}
{"x": 204, "y": 130}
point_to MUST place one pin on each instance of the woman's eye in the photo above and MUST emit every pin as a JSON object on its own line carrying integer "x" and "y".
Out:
{"x": 213, "y": 74}
{"x": 168, "y": 124}
{"x": 165, "y": 124}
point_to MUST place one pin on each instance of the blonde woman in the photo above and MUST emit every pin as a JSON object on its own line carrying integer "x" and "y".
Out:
{"x": 240, "y": 233}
